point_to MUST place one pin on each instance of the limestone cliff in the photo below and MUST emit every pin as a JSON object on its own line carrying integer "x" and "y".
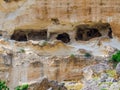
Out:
{"x": 38, "y": 13}
{"x": 64, "y": 40}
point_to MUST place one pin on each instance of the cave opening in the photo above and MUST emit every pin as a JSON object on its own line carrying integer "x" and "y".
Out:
{"x": 8, "y": 1}
{"x": 92, "y": 33}
{"x": 19, "y": 36}
{"x": 25, "y": 35}
{"x": 79, "y": 35}
{"x": 110, "y": 33}
{"x": 38, "y": 35}
{"x": 87, "y": 34}
{"x": 64, "y": 37}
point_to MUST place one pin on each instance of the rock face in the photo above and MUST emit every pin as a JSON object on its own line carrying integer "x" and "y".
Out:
{"x": 118, "y": 69}
{"x": 88, "y": 31}
{"x": 29, "y": 46}
{"x": 45, "y": 84}
{"x": 104, "y": 82}
{"x": 22, "y": 62}
{"x": 37, "y": 14}
{"x": 83, "y": 32}
{"x": 25, "y": 35}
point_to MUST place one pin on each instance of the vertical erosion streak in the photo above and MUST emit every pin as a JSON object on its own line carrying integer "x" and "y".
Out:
{"x": 24, "y": 69}
{"x": 18, "y": 75}
{"x": 41, "y": 70}
{"x": 15, "y": 76}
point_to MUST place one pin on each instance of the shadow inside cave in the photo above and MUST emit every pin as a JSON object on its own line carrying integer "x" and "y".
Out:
{"x": 87, "y": 34}
{"x": 25, "y": 35}
{"x": 64, "y": 37}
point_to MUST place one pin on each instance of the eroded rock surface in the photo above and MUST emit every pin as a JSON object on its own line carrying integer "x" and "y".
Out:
{"x": 45, "y": 84}
{"x": 28, "y": 61}
{"x": 64, "y": 40}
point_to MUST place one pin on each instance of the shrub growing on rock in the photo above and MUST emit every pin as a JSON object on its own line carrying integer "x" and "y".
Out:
{"x": 21, "y": 50}
{"x": 72, "y": 56}
{"x": 116, "y": 57}
{"x": 87, "y": 55}
{"x": 3, "y": 85}
{"x": 22, "y": 87}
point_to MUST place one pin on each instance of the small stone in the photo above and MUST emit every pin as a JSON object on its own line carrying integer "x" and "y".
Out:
{"x": 109, "y": 79}
{"x": 104, "y": 76}
{"x": 115, "y": 80}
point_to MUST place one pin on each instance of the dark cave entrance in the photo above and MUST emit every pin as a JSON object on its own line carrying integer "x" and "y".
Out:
{"x": 92, "y": 33}
{"x": 87, "y": 34}
{"x": 24, "y": 35}
{"x": 64, "y": 37}
{"x": 19, "y": 36}
{"x": 37, "y": 35}
{"x": 79, "y": 35}
{"x": 110, "y": 33}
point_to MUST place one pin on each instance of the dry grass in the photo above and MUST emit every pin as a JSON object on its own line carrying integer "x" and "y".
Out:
{"x": 74, "y": 86}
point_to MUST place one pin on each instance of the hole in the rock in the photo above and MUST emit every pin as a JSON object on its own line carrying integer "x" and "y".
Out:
{"x": 64, "y": 37}
{"x": 110, "y": 33}
{"x": 24, "y": 35}
{"x": 19, "y": 36}
{"x": 7, "y": 1}
{"x": 37, "y": 35}
{"x": 87, "y": 34}
{"x": 94, "y": 33}
{"x": 79, "y": 35}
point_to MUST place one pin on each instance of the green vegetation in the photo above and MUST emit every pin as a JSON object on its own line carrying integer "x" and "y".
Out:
{"x": 115, "y": 59}
{"x": 22, "y": 87}
{"x": 77, "y": 86}
{"x": 106, "y": 83}
{"x": 72, "y": 56}
{"x": 21, "y": 50}
{"x": 3, "y": 85}
{"x": 87, "y": 55}
{"x": 104, "y": 89}
{"x": 111, "y": 73}
{"x": 44, "y": 43}
{"x": 96, "y": 77}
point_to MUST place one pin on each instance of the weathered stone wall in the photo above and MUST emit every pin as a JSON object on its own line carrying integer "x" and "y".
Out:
{"x": 37, "y": 13}
{"x": 80, "y": 10}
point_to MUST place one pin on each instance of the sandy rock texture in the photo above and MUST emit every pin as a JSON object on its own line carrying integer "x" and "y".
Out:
{"x": 45, "y": 84}
{"x": 63, "y": 40}
{"x": 24, "y": 62}
{"x": 38, "y": 13}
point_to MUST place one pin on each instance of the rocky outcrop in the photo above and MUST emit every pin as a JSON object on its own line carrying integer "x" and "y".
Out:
{"x": 45, "y": 84}
{"x": 63, "y": 40}
{"x": 104, "y": 82}
{"x": 83, "y": 32}
{"x": 22, "y": 62}
{"x": 27, "y": 14}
